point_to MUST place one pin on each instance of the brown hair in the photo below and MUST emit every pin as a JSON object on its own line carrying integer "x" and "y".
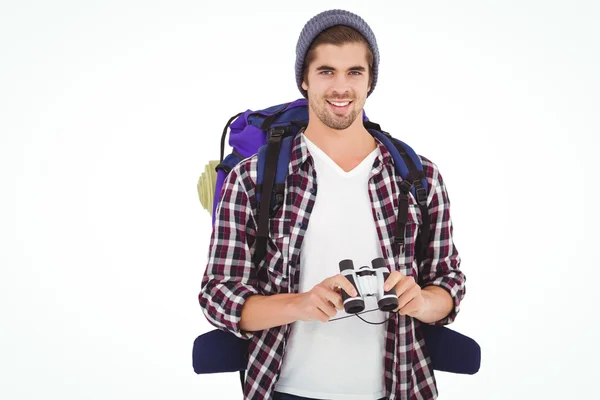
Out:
{"x": 337, "y": 35}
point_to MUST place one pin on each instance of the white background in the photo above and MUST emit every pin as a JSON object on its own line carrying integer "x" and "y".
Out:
{"x": 110, "y": 110}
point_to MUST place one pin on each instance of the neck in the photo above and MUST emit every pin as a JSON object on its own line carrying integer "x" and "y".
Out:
{"x": 350, "y": 142}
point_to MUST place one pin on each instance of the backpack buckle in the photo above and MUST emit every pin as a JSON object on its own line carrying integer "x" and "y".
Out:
{"x": 421, "y": 195}
{"x": 405, "y": 186}
{"x": 399, "y": 243}
{"x": 278, "y": 204}
{"x": 277, "y": 132}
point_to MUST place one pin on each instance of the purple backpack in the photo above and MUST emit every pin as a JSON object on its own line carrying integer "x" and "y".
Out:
{"x": 270, "y": 133}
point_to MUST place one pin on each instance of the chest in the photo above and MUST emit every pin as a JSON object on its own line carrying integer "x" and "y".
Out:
{"x": 289, "y": 225}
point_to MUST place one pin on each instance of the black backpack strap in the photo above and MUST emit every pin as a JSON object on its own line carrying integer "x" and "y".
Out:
{"x": 276, "y": 135}
{"x": 414, "y": 177}
{"x": 424, "y": 230}
{"x": 224, "y": 135}
{"x": 402, "y": 217}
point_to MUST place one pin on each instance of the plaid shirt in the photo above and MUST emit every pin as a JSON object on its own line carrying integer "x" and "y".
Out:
{"x": 230, "y": 276}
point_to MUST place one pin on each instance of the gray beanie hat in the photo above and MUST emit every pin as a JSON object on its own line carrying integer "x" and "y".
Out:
{"x": 327, "y": 19}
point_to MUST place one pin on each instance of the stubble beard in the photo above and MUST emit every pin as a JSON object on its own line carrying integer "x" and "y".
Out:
{"x": 331, "y": 119}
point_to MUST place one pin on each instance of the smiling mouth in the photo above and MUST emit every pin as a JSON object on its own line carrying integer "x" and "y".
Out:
{"x": 340, "y": 107}
{"x": 340, "y": 104}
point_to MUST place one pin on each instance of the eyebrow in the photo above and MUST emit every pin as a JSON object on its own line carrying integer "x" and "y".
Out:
{"x": 328, "y": 68}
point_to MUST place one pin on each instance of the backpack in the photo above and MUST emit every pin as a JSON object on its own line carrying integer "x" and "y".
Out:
{"x": 270, "y": 133}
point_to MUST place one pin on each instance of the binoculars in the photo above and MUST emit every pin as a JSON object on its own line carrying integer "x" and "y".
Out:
{"x": 368, "y": 281}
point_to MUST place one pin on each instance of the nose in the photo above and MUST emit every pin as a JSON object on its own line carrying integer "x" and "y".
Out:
{"x": 340, "y": 85}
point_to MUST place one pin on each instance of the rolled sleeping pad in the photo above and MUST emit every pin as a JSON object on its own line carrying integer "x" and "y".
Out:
{"x": 451, "y": 351}
{"x": 221, "y": 351}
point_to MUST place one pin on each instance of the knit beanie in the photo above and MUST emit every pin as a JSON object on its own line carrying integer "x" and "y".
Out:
{"x": 327, "y": 19}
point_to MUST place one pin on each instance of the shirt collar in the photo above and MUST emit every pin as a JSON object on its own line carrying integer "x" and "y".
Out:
{"x": 300, "y": 153}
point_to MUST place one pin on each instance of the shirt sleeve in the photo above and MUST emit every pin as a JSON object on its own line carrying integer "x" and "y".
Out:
{"x": 229, "y": 278}
{"x": 441, "y": 266}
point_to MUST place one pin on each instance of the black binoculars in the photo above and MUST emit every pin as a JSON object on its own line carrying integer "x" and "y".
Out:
{"x": 368, "y": 281}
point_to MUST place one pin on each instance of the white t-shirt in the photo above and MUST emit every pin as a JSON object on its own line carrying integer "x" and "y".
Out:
{"x": 341, "y": 359}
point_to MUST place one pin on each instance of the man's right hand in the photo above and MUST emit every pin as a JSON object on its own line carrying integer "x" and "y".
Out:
{"x": 321, "y": 302}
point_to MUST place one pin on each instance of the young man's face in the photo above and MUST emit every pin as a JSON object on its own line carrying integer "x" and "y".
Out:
{"x": 338, "y": 74}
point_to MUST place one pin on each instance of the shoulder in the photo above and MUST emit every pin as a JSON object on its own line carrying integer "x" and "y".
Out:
{"x": 244, "y": 173}
{"x": 437, "y": 187}
{"x": 430, "y": 169}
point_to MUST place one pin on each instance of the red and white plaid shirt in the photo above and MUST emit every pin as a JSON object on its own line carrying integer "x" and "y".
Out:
{"x": 230, "y": 276}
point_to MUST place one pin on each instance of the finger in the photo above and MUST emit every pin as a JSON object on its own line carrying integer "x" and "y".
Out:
{"x": 405, "y": 284}
{"x": 321, "y": 316}
{"x": 335, "y": 298}
{"x": 316, "y": 314}
{"x": 392, "y": 280}
{"x": 343, "y": 282}
{"x": 326, "y": 307}
{"x": 318, "y": 305}
{"x": 410, "y": 308}
{"x": 407, "y": 296}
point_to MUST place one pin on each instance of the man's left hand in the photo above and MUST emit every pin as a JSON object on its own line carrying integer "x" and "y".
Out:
{"x": 410, "y": 297}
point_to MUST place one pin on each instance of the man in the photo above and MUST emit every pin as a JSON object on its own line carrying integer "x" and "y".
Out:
{"x": 343, "y": 181}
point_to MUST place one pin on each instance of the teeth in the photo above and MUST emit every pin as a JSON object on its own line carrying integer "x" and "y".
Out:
{"x": 340, "y": 104}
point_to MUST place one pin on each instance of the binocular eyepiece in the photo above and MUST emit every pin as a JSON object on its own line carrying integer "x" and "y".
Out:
{"x": 368, "y": 281}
